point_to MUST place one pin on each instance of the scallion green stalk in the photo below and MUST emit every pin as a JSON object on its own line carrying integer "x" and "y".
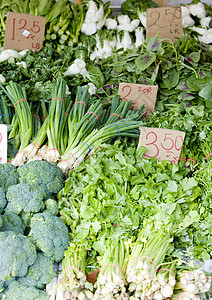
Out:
{"x": 17, "y": 96}
{"x": 55, "y": 121}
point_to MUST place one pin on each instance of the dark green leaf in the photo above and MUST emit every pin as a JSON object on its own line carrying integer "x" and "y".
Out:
{"x": 144, "y": 61}
{"x": 172, "y": 78}
{"x": 154, "y": 44}
{"x": 194, "y": 56}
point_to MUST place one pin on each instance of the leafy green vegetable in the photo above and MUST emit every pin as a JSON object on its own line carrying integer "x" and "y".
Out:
{"x": 206, "y": 93}
{"x": 171, "y": 79}
{"x": 133, "y": 7}
{"x": 95, "y": 75}
{"x": 144, "y": 61}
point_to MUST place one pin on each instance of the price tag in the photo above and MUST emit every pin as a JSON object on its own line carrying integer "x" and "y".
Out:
{"x": 3, "y": 143}
{"x": 165, "y": 144}
{"x": 166, "y": 20}
{"x": 139, "y": 94}
{"x": 24, "y": 31}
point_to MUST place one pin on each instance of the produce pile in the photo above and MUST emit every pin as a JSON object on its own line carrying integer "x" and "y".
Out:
{"x": 71, "y": 131}
{"x": 93, "y": 25}
{"x": 113, "y": 204}
{"x": 86, "y": 215}
{"x": 32, "y": 237}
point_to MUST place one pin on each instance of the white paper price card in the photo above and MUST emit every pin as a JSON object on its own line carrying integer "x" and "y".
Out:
{"x": 3, "y": 143}
{"x": 24, "y": 31}
{"x": 165, "y": 144}
{"x": 139, "y": 94}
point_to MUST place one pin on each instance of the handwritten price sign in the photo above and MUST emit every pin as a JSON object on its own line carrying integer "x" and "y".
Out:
{"x": 166, "y": 20}
{"x": 139, "y": 94}
{"x": 24, "y": 31}
{"x": 165, "y": 144}
{"x": 3, "y": 143}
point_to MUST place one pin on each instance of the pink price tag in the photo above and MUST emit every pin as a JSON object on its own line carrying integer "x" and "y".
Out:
{"x": 165, "y": 144}
{"x": 3, "y": 144}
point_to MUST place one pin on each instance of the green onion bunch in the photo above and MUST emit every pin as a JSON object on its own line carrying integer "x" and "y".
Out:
{"x": 55, "y": 121}
{"x": 23, "y": 119}
{"x": 69, "y": 132}
{"x": 96, "y": 126}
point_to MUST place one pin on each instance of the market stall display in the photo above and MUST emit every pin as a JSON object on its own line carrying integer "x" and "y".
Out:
{"x": 88, "y": 214}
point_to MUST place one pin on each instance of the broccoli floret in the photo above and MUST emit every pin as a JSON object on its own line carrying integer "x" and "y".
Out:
{"x": 49, "y": 234}
{"x": 40, "y": 273}
{"x": 3, "y": 200}
{"x": 8, "y": 176}
{"x": 1, "y": 287}
{"x": 40, "y": 173}
{"x": 12, "y": 222}
{"x": 26, "y": 217}
{"x": 21, "y": 197}
{"x": 18, "y": 291}
{"x": 5, "y": 284}
{"x": 17, "y": 253}
{"x": 51, "y": 206}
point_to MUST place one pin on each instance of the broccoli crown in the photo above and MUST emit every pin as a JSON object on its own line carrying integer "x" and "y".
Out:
{"x": 18, "y": 291}
{"x": 8, "y": 176}
{"x": 51, "y": 206}
{"x": 12, "y": 222}
{"x": 40, "y": 173}
{"x": 3, "y": 200}
{"x": 21, "y": 197}
{"x": 40, "y": 273}
{"x": 17, "y": 253}
{"x": 49, "y": 234}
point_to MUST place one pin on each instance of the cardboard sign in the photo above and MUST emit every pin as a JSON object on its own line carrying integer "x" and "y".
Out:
{"x": 166, "y": 20}
{"x": 3, "y": 143}
{"x": 159, "y": 2}
{"x": 139, "y": 94}
{"x": 24, "y": 31}
{"x": 165, "y": 144}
